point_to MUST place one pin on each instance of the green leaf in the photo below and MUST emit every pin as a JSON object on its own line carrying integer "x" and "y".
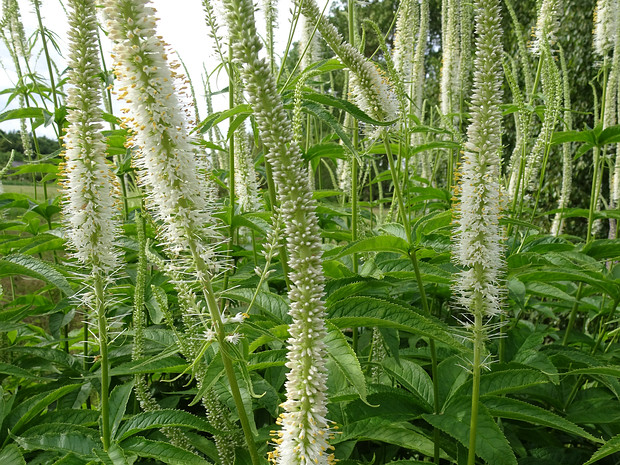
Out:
{"x": 114, "y": 455}
{"x": 162, "y": 451}
{"x": 235, "y": 124}
{"x": 413, "y": 378}
{"x": 602, "y": 370}
{"x": 11, "y": 455}
{"x": 118, "y": 403}
{"x": 36, "y": 168}
{"x": 162, "y": 418}
{"x": 22, "y": 113}
{"x": 273, "y": 304}
{"x": 610, "y": 447}
{"x": 513, "y": 409}
{"x": 432, "y": 222}
{"x": 553, "y": 274}
{"x": 55, "y": 356}
{"x": 439, "y": 144}
{"x": 218, "y": 117}
{"x": 344, "y": 357}
{"x": 165, "y": 364}
{"x": 75, "y": 416}
{"x": 322, "y": 114}
{"x": 26, "y": 265}
{"x": 603, "y": 249}
{"x": 491, "y": 444}
{"x": 331, "y": 101}
{"x": 8, "y": 369}
{"x": 571, "y": 136}
{"x": 505, "y": 381}
{"x": 214, "y": 372}
{"x": 610, "y": 135}
{"x": 370, "y": 312}
{"x": 327, "y": 150}
{"x": 45, "y": 400}
{"x": 400, "y": 434}
{"x": 373, "y": 244}
{"x": 249, "y": 220}
{"x": 266, "y": 358}
{"x": 60, "y": 437}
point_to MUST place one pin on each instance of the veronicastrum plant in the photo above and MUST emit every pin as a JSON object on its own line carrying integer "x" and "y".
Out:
{"x": 386, "y": 248}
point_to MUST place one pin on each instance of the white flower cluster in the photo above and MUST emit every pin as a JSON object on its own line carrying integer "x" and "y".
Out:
{"x": 478, "y": 235}
{"x": 167, "y": 161}
{"x": 246, "y": 183}
{"x": 547, "y": 26}
{"x": 303, "y": 439}
{"x": 372, "y": 92}
{"x": 450, "y": 53}
{"x": 313, "y": 53}
{"x": 15, "y": 42}
{"x": 404, "y": 38}
{"x": 605, "y": 25}
{"x": 90, "y": 188}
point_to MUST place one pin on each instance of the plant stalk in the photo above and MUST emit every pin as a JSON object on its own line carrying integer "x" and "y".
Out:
{"x": 216, "y": 318}
{"x": 103, "y": 352}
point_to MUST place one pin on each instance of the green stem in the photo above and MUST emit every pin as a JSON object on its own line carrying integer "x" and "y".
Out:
{"x": 593, "y": 194}
{"x": 573, "y": 315}
{"x": 396, "y": 183}
{"x": 416, "y": 267}
{"x": 231, "y": 164}
{"x": 103, "y": 352}
{"x": 473, "y": 425}
{"x": 271, "y": 187}
{"x": 216, "y": 318}
{"x": 48, "y": 60}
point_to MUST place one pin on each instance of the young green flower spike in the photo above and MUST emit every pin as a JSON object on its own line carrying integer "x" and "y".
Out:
{"x": 303, "y": 439}
{"x": 89, "y": 185}
{"x": 167, "y": 161}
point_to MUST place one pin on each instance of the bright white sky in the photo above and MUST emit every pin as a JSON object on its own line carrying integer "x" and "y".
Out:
{"x": 181, "y": 24}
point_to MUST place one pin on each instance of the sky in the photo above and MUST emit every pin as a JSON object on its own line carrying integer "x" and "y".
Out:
{"x": 182, "y": 25}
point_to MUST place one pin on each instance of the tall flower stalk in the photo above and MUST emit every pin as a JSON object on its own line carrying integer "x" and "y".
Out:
{"x": 303, "y": 439}
{"x": 404, "y": 39}
{"x": 168, "y": 164}
{"x": 478, "y": 234}
{"x": 567, "y": 158}
{"x": 14, "y": 38}
{"x": 449, "y": 83}
{"x": 90, "y": 188}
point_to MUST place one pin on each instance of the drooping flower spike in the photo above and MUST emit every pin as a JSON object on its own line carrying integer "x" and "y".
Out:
{"x": 372, "y": 92}
{"x": 166, "y": 160}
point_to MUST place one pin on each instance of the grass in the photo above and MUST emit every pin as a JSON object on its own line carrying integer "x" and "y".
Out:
{"x": 28, "y": 189}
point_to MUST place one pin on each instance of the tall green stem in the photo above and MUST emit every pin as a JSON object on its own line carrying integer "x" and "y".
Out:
{"x": 475, "y": 397}
{"x": 416, "y": 267}
{"x": 593, "y": 193}
{"x": 216, "y": 318}
{"x": 48, "y": 60}
{"x": 231, "y": 162}
{"x": 271, "y": 188}
{"x": 102, "y": 324}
